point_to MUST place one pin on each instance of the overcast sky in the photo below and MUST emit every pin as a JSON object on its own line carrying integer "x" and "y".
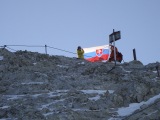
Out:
{"x": 66, "y": 24}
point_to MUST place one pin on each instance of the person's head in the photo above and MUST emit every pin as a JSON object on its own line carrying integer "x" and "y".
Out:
{"x": 112, "y": 47}
{"x": 79, "y": 48}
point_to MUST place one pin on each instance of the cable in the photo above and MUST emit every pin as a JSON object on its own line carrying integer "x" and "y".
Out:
{"x": 61, "y": 50}
{"x": 26, "y": 45}
{"x": 11, "y": 49}
{"x": 36, "y": 46}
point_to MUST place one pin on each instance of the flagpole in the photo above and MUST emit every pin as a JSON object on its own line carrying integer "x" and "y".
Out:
{"x": 114, "y": 47}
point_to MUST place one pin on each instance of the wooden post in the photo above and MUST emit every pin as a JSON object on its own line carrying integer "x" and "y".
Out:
{"x": 157, "y": 70}
{"x": 134, "y": 54}
{"x": 46, "y": 49}
{"x": 5, "y": 46}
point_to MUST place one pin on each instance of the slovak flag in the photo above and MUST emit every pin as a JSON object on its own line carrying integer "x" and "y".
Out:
{"x": 98, "y": 53}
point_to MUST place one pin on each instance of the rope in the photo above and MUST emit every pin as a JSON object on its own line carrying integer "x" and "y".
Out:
{"x": 6, "y": 46}
{"x": 26, "y": 45}
{"x": 61, "y": 49}
{"x": 11, "y": 49}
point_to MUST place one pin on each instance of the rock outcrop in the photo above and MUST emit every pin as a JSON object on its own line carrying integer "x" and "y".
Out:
{"x": 36, "y": 86}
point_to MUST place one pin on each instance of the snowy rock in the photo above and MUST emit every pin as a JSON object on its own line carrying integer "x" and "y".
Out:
{"x": 2, "y": 89}
{"x": 38, "y": 86}
{"x": 1, "y": 57}
{"x": 118, "y": 100}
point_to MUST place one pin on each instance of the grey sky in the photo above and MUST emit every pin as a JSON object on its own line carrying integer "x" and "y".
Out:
{"x": 66, "y": 24}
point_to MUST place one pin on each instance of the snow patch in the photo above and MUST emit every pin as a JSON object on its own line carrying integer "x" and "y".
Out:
{"x": 95, "y": 98}
{"x": 54, "y": 102}
{"x": 62, "y": 66}
{"x": 34, "y": 63}
{"x": 57, "y": 93}
{"x": 125, "y": 111}
{"x": 33, "y": 83}
{"x": 82, "y": 63}
{"x": 4, "y": 107}
{"x": 111, "y": 91}
{"x": 14, "y": 97}
{"x": 99, "y": 92}
{"x": 154, "y": 71}
{"x": 94, "y": 91}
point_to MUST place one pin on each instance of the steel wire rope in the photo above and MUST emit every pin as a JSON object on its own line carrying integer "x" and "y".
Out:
{"x": 21, "y": 46}
{"x": 37, "y": 46}
{"x": 11, "y": 49}
{"x": 26, "y": 45}
{"x": 60, "y": 49}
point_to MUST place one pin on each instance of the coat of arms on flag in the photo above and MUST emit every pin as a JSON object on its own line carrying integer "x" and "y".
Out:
{"x": 99, "y": 52}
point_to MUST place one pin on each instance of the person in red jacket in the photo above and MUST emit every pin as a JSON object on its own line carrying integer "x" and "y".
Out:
{"x": 118, "y": 57}
{"x": 112, "y": 53}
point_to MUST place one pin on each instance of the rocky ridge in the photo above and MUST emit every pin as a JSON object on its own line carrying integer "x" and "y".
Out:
{"x": 36, "y": 86}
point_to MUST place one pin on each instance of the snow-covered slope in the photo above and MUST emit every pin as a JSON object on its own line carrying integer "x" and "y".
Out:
{"x": 35, "y": 86}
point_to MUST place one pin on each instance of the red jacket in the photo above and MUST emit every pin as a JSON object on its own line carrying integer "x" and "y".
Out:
{"x": 112, "y": 54}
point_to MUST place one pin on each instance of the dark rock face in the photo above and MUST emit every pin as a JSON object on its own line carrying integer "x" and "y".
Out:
{"x": 35, "y": 86}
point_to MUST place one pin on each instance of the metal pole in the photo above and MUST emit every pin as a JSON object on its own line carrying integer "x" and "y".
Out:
{"x": 114, "y": 47}
{"x": 134, "y": 54}
{"x": 46, "y": 49}
{"x": 157, "y": 70}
